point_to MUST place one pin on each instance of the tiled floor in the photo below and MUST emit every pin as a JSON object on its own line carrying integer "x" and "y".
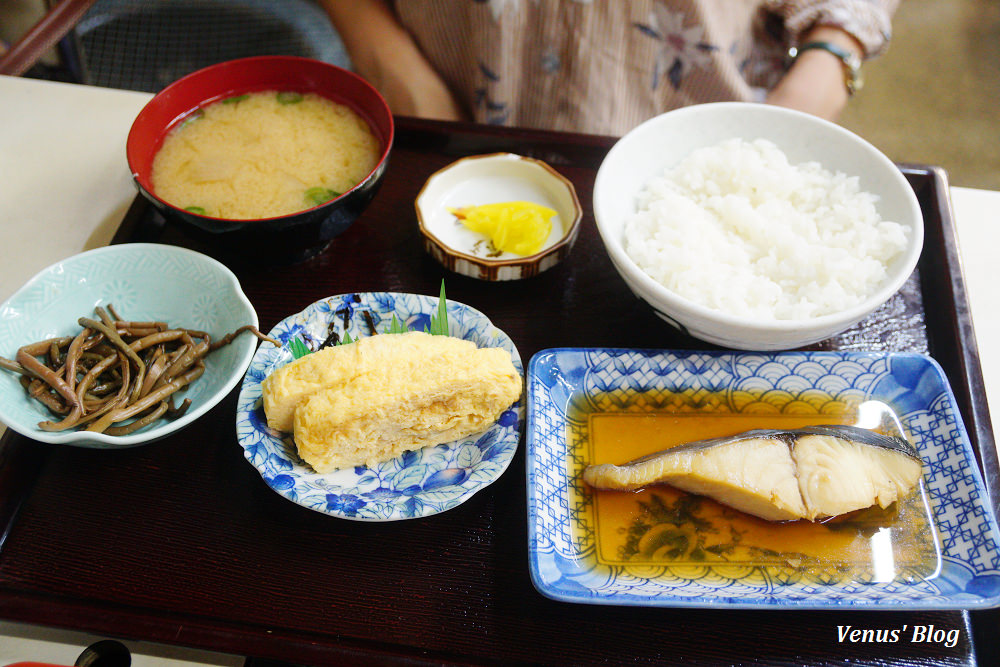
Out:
{"x": 934, "y": 97}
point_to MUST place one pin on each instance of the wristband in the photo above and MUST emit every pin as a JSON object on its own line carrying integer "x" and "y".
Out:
{"x": 851, "y": 63}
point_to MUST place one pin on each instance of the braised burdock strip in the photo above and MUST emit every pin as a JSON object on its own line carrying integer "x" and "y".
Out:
{"x": 115, "y": 370}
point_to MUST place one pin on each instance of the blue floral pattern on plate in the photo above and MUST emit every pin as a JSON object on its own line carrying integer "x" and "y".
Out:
{"x": 561, "y": 546}
{"x": 416, "y": 484}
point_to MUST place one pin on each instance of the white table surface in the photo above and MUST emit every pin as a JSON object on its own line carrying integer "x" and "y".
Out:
{"x": 65, "y": 186}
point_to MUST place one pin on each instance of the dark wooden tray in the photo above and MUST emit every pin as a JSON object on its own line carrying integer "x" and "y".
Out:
{"x": 181, "y": 542}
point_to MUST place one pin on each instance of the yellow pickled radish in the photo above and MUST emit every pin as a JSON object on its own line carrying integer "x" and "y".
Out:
{"x": 517, "y": 227}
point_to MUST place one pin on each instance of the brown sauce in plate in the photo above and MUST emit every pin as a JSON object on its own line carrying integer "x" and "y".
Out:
{"x": 662, "y": 526}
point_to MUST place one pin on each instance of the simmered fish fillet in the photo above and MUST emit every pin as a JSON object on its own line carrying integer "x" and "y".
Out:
{"x": 808, "y": 473}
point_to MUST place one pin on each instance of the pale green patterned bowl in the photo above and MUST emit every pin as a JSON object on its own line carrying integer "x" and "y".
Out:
{"x": 143, "y": 281}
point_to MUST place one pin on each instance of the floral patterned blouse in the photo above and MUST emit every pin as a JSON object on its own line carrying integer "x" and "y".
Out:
{"x": 604, "y": 66}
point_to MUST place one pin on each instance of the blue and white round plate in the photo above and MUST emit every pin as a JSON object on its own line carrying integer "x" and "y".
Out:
{"x": 416, "y": 484}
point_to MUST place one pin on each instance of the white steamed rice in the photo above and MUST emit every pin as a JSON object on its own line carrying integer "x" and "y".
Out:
{"x": 736, "y": 228}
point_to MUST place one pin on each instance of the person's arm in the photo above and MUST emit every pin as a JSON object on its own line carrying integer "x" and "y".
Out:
{"x": 815, "y": 81}
{"x": 384, "y": 53}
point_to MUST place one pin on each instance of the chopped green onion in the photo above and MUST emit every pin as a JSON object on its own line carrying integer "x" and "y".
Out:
{"x": 287, "y": 97}
{"x": 319, "y": 195}
{"x": 235, "y": 98}
{"x": 192, "y": 117}
{"x": 195, "y": 209}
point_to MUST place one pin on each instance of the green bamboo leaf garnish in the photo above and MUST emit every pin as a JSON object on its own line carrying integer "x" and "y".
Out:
{"x": 289, "y": 97}
{"x": 438, "y": 327}
{"x": 396, "y": 327}
{"x": 439, "y": 323}
{"x": 298, "y": 348}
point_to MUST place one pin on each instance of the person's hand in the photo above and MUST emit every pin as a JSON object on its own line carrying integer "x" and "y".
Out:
{"x": 384, "y": 53}
{"x": 815, "y": 81}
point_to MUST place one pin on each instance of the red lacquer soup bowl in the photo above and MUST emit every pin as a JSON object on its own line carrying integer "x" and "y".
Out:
{"x": 275, "y": 240}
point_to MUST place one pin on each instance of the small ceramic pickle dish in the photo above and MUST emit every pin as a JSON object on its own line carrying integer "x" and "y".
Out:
{"x": 496, "y": 179}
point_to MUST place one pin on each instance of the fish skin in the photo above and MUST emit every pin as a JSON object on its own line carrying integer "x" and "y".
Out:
{"x": 779, "y": 475}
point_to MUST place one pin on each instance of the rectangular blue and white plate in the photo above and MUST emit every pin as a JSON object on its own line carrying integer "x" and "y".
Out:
{"x": 661, "y": 547}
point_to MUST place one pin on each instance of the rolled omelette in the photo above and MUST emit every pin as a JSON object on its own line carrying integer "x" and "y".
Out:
{"x": 362, "y": 406}
{"x": 332, "y": 366}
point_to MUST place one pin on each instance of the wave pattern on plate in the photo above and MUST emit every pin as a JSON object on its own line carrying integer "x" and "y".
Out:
{"x": 562, "y": 542}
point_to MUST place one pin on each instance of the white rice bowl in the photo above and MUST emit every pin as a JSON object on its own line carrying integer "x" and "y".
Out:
{"x": 785, "y": 241}
{"x": 745, "y": 261}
